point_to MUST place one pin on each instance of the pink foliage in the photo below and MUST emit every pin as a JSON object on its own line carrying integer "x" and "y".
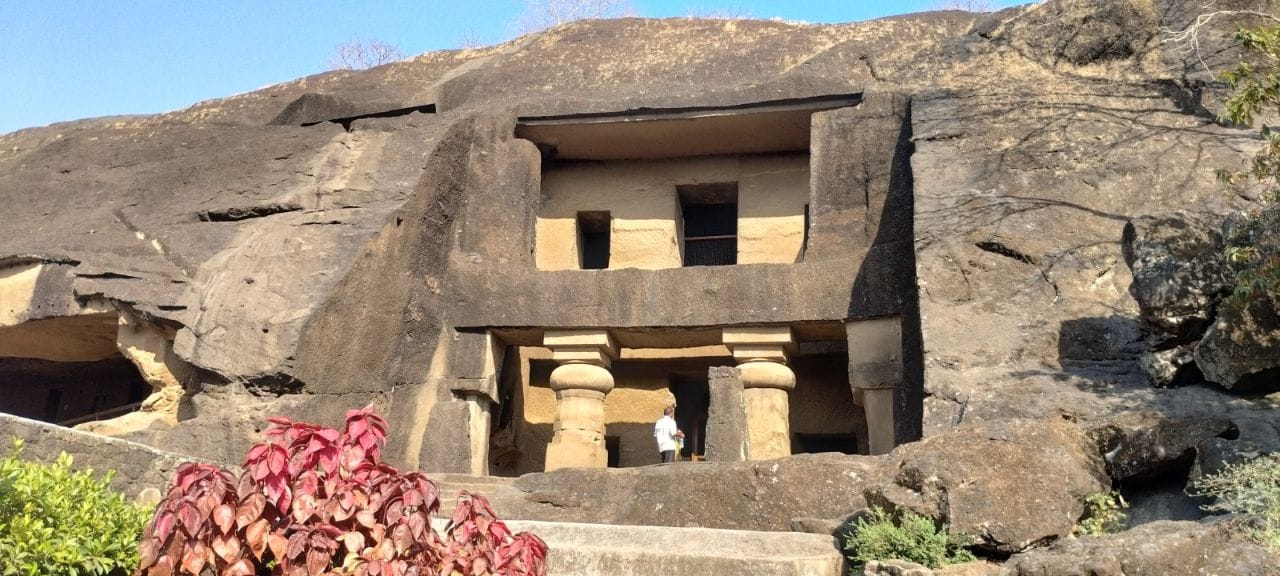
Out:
{"x": 312, "y": 501}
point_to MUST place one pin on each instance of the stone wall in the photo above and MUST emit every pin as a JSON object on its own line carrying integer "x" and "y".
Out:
{"x": 642, "y": 201}
{"x": 137, "y": 467}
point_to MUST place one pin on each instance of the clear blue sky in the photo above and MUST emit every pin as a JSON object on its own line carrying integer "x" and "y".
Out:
{"x": 62, "y": 59}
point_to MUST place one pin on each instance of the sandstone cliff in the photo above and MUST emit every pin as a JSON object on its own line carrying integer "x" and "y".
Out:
{"x": 301, "y": 241}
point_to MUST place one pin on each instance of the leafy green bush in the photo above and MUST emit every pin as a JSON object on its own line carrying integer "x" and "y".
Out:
{"x": 1254, "y": 250}
{"x": 1251, "y": 489}
{"x": 913, "y": 538}
{"x": 1104, "y": 513}
{"x": 55, "y": 521}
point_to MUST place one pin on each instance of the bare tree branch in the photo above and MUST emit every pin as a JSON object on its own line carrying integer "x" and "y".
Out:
{"x": 363, "y": 53}
{"x": 966, "y": 5}
{"x": 1186, "y": 42}
{"x": 730, "y": 13}
{"x": 470, "y": 40}
{"x": 543, "y": 14}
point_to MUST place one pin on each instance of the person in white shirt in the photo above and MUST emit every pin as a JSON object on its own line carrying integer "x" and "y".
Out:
{"x": 666, "y": 432}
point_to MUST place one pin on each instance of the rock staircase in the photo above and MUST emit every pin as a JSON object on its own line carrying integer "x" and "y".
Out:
{"x": 576, "y": 549}
{"x": 453, "y": 484}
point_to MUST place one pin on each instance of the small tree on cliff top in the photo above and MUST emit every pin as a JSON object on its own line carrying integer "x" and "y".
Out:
{"x": 363, "y": 53}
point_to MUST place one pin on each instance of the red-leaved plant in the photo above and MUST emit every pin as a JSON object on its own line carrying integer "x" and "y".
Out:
{"x": 312, "y": 501}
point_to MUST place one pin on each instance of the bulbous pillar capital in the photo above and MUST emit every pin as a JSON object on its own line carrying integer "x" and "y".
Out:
{"x": 581, "y": 376}
{"x": 767, "y": 374}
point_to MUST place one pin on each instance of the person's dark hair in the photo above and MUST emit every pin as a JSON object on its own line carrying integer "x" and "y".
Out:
{"x": 669, "y": 410}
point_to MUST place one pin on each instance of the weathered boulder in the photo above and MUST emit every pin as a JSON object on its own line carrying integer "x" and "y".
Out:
{"x": 1023, "y": 287}
{"x": 1035, "y": 495}
{"x": 1241, "y": 350}
{"x": 1256, "y": 436}
{"x": 1179, "y": 271}
{"x": 892, "y": 567}
{"x": 1155, "y": 549}
{"x": 764, "y": 495}
{"x": 1145, "y": 445}
{"x": 1181, "y": 282}
{"x": 1173, "y": 367}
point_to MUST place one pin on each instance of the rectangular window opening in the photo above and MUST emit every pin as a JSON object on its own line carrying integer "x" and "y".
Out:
{"x": 593, "y": 239}
{"x": 710, "y": 218}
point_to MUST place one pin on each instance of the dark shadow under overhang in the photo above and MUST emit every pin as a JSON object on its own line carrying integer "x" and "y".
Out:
{"x": 776, "y": 126}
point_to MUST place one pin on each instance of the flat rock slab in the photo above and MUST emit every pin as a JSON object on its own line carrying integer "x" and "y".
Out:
{"x": 592, "y": 549}
{"x": 762, "y": 495}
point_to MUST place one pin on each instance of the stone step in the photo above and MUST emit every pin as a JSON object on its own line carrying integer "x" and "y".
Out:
{"x": 452, "y": 484}
{"x": 451, "y": 478}
{"x": 591, "y": 549}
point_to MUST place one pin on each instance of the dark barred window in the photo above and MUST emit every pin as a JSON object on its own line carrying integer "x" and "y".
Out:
{"x": 710, "y": 217}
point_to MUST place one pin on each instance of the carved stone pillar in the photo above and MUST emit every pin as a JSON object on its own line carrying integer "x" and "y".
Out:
{"x": 767, "y": 382}
{"x": 580, "y": 381}
{"x": 475, "y": 359}
{"x": 875, "y": 369}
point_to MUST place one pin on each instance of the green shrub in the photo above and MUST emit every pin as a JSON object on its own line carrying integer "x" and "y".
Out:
{"x": 913, "y": 538}
{"x": 55, "y": 521}
{"x": 1251, "y": 489}
{"x": 1104, "y": 513}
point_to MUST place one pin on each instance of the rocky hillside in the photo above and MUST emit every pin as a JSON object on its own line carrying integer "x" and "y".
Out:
{"x": 300, "y": 240}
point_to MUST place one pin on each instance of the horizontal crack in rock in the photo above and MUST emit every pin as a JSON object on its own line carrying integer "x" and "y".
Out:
{"x": 1002, "y": 250}
{"x": 237, "y": 213}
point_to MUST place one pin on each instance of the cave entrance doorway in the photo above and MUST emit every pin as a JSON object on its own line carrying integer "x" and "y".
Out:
{"x": 67, "y": 370}
{"x": 693, "y": 399}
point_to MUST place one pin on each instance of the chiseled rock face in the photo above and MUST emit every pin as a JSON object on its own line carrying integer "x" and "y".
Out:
{"x": 306, "y": 268}
{"x": 1155, "y": 549}
{"x": 1008, "y": 484}
{"x": 137, "y": 469}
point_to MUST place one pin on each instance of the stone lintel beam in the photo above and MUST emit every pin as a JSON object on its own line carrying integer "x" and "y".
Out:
{"x": 593, "y": 346}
